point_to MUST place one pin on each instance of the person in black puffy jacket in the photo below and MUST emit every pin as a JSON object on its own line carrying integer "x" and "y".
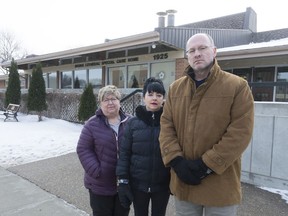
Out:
{"x": 142, "y": 176}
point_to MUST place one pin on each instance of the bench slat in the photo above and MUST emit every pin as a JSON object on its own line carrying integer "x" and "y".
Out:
{"x": 11, "y": 111}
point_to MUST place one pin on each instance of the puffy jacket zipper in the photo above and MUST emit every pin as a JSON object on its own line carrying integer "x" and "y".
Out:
{"x": 151, "y": 150}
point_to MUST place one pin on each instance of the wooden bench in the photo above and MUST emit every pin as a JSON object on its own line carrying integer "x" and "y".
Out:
{"x": 11, "y": 111}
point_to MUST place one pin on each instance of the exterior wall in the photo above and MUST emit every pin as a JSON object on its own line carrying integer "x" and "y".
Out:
{"x": 2, "y": 84}
{"x": 181, "y": 64}
{"x": 3, "y": 81}
{"x": 264, "y": 162}
{"x": 222, "y": 37}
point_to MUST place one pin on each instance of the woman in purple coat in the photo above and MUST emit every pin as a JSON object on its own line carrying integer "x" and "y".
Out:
{"x": 97, "y": 150}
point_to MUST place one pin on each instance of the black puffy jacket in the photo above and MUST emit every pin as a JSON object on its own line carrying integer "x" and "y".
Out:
{"x": 139, "y": 155}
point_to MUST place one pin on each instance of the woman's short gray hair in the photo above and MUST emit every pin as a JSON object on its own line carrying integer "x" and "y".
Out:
{"x": 108, "y": 90}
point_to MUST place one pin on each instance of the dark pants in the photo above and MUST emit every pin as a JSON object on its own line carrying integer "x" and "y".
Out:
{"x": 159, "y": 201}
{"x": 107, "y": 205}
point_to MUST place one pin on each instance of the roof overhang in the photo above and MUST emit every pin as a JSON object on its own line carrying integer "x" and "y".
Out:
{"x": 130, "y": 41}
{"x": 252, "y": 52}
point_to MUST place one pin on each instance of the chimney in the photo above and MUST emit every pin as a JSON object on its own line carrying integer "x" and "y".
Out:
{"x": 161, "y": 19}
{"x": 171, "y": 18}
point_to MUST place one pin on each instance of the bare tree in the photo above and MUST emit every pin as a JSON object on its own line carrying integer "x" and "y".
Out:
{"x": 9, "y": 49}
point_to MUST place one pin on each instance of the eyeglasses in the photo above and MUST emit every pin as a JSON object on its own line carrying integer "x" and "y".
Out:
{"x": 200, "y": 49}
{"x": 112, "y": 100}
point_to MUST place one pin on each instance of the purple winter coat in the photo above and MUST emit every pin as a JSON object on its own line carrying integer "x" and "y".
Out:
{"x": 97, "y": 150}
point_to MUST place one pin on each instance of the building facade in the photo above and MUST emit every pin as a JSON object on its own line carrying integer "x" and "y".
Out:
{"x": 127, "y": 62}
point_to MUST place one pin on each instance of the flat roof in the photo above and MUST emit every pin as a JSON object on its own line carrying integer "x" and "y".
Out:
{"x": 144, "y": 39}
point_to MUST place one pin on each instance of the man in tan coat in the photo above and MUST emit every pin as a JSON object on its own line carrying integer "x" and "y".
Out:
{"x": 206, "y": 125}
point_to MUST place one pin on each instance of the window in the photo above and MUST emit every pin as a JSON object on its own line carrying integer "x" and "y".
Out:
{"x": 66, "y": 79}
{"x": 263, "y": 74}
{"x": 245, "y": 73}
{"x": 80, "y": 79}
{"x": 117, "y": 54}
{"x": 45, "y": 80}
{"x": 263, "y": 93}
{"x": 138, "y": 51}
{"x": 137, "y": 75}
{"x": 95, "y": 77}
{"x": 282, "y": 90}
{"x": 116, "y": 76}
{"x": 52, "y": 80}
{"x": 164, "y": 71}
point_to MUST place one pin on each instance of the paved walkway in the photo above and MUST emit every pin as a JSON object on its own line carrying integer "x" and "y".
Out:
{"x": 46, "y": 187}
{"x": 19, "y": 197}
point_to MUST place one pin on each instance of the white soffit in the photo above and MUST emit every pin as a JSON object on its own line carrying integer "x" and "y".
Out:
{"x": 265, "y": 49}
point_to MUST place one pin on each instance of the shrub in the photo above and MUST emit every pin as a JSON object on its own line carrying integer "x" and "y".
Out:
{"x": 88, "y": 104}
{"x": 37, "y": 92}
{"x": 13, "y": 92}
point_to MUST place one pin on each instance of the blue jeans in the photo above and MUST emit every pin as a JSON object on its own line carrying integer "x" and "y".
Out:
{"x": 107, "y": 205}
{"x": 184, "y": 208}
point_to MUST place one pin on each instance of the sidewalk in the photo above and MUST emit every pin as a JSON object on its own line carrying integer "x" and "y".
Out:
{"x": 19, "y": 197}
{"x": 61, "y": 178}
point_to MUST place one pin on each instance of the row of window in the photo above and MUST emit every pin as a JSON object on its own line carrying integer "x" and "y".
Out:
{"x": 131, "y": 76}
{"x": 134, "y": 76}
{"x": 74, "y": 79}
{"x": 267, "y": 83}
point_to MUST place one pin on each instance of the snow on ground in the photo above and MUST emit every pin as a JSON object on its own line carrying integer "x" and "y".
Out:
{"x": 29, "y": 140}
{"x": 282, "y": 193}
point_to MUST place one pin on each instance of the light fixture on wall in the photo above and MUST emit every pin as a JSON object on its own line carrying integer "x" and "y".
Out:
{"x": 153, "y": 45}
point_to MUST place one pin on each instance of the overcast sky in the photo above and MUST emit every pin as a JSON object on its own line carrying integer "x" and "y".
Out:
{"x": 48, "y": 26}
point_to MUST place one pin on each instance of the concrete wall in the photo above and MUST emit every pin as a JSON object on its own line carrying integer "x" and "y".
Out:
{"x": 265, "y": 161}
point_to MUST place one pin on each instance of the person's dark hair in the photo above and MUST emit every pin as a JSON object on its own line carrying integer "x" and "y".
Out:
{"x": 154, "y": 85}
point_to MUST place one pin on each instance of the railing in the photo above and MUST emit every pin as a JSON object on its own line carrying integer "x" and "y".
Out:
{"x": 131, "y": 101}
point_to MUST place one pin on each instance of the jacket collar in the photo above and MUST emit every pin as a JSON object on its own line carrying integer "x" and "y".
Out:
{"x": 150, "y": 118}
{"x": 124, "y": 117}
{"x": 213, "y": 72}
